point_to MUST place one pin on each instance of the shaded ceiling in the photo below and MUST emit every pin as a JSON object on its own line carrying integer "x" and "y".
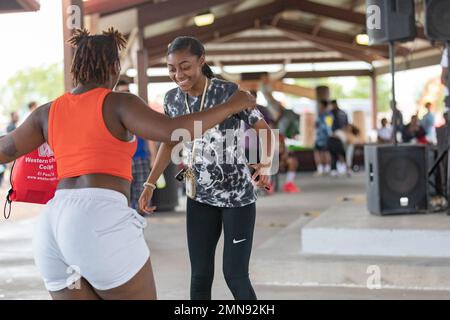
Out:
{"x": 256, "y": 31}
{"x": 12, "y": 6}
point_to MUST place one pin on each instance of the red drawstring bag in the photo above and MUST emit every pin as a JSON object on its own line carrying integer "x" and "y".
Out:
{"x": 33, "y": 178}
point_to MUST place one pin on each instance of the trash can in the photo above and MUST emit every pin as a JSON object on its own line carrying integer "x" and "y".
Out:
{"x": 166, "y": 199}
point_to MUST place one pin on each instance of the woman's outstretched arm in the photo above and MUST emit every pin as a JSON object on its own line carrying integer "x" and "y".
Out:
{"x": 26, "y": 138}
{"x": 137, "y": 117}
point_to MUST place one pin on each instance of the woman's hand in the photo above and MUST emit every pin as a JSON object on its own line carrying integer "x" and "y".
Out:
{"x": 144, "y": 200}
{"x": 263, "y": 181}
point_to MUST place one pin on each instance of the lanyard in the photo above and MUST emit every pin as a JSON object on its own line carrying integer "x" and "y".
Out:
{"x": 202, "y": 101}
{"x": 188, "y": 110}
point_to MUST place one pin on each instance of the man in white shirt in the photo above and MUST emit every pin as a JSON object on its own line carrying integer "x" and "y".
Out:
{"x": 385, "y": 132}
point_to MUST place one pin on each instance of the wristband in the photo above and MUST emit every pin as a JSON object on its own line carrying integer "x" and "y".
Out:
{"x": 149, "y": 185}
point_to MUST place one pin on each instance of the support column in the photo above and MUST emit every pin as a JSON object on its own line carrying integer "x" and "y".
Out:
{"x": 91, "y": 23}
{"x": 142, "y": 78}
{"x": 374, "y": 99}
{"x": 73, "y": 18}
{"x": 142, "y": 65}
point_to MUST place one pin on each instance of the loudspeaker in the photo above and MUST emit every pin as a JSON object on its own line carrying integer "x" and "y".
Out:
{"x": 396, "y": 178}
{"x": 390, "y": 20}
{"x": 437, "y": 20}
{"x": 166, "y": 199}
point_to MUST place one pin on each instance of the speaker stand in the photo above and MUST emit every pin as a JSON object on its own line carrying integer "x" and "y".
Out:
{"x": 446, "y": 151}
{"x": 448, "y": 128}
{"x": 393, "y": 102}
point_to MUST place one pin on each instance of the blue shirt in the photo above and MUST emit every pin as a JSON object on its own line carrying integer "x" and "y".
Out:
{"x": 142, "y": 151}
{"x": 323, "y": 129}
{"x": 427, "y": 122}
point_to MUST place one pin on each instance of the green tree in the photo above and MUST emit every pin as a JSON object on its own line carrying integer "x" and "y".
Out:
{"x": 361, "y": 90}
{"x": 40, "y": 84}
{"x": 383, "y": 93}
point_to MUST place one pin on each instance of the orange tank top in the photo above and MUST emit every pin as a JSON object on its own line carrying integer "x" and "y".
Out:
{"x": 80, "y": 140}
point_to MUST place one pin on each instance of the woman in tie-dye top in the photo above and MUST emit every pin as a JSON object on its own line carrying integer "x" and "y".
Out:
{"x": 225, "y": 189}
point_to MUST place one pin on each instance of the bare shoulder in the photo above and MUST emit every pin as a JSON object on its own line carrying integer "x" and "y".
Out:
{"x": 120, "y": 100}
{"x": 41, "y": 113}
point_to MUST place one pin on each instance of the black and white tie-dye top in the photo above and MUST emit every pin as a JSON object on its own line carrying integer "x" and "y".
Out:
{"x": 222, "y": 175}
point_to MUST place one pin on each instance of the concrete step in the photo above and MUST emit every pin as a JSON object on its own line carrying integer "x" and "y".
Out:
{"x": 278, "y": 262}
{"x": 349, "y": 229}
{"x": 357, "y": 272}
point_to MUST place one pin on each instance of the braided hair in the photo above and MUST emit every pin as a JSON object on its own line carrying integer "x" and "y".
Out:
{"x": 95, "y": 55}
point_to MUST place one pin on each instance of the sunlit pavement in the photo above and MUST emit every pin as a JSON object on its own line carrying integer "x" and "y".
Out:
{"x": 166, "y": 236}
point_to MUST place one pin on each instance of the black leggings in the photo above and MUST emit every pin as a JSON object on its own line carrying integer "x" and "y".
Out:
{"x": 204, "y": 226}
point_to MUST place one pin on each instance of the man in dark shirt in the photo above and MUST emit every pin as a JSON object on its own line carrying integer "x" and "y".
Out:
{"x": 340, "y": 119}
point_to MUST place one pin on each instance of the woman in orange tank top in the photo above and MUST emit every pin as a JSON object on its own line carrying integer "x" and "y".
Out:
{"x": 88, "y": 226}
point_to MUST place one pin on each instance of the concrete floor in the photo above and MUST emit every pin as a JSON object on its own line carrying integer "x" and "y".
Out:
{"x": 166, "y": 237}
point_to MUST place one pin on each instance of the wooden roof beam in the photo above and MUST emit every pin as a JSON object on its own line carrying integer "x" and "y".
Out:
{"x": 349, "y": 51}
{"x": 327, "y": 11}
{"x": 259, "y": 51}
{"x": 29, "y": 5}
{"x": 210, "y": 60}
{"x": 335, "y": 13}
{"x": 150, "y": 13}
{"x": 256, "y": 39}
{"x": 295, "y": 74}
{"x": 222, "y": 27}
{"x": 344, "y": 40}
{"x": 106, "y": 7}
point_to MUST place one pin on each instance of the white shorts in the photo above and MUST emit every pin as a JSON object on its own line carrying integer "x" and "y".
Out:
{"x": 89, "y": 233}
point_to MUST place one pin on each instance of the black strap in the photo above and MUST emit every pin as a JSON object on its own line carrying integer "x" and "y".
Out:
{"x": 8, "y": 196}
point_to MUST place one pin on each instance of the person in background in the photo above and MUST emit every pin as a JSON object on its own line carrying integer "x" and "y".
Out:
{"x": 384, "y": 134}
{"x": 340, "y": 121}
{"x": 413, "y": 132}
{"x": 252, "y": 143}
{"x": 13, "y": 123}
{"x": 444, "y": 73}
{"x": 31, "y": 106}
{"x": 397, "y": 121}
{"x": 428, "y": 122}
{"x": 142, "y": 159}
{"x": 288, "y": 164}
{"x": 323, "y": 131}
{"x": 340, "y": 118}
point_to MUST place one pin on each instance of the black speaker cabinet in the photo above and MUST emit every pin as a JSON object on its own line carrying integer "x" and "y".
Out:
{"x": 390, "y": 20}
{"x": 396, "y": 178}
{"x": 437, "y": 20}
{"x": 166, "y": 199}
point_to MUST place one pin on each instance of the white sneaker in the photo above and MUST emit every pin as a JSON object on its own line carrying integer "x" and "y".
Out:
{"x": 341, "y": 168}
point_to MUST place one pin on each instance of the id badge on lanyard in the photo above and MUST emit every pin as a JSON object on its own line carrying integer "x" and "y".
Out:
{"x": 189, "y": 175}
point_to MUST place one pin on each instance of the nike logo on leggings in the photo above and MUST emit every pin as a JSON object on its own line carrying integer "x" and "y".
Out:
{"x": 237, "y": 241}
